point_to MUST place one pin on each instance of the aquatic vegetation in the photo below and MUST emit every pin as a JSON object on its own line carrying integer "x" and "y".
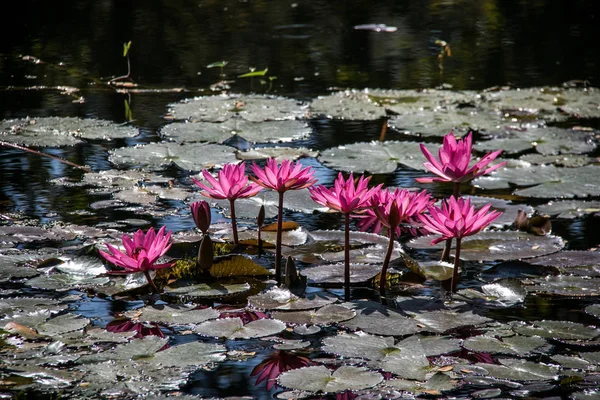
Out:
{"x": 347, "y": 197}
{"x": 281, "y": 178}
{"x": 231, "y": 184}
{"x": 141, "y": 253}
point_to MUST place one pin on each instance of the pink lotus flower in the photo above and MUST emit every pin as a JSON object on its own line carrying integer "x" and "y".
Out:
{"x": 456, "y": 219}
{"x": 201, "y": 215}
{"x": 141, "y": 253}
{"x": 231, "y": 184}
{"x": 453, "y": 163}
{"x": 344, "y": 196}
{"x": 409, "y": 205}
{"x": 288, "y": 176}
{"x": 276, "y": 364}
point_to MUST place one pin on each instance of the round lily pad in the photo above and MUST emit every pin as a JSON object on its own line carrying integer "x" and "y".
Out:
{"x": 569, "y": 209}
{"x": 250, "y": 107}
{"x": 594, "y": 310}
{"x": 560, "y": 160}
{"x": 173, "y": 314}
{"x": 373, "y": 157}
{"x": 514, "y": 345}
{"x": 490, "y": 246}
{"x": 283, "y": 299}
{"x": 566, "y": 285}
{"x": 378, "y": 319}
{"x": 278, "y": 153}
{"x": 254, "y": 132}
{"x": 334, "y": 273}
{"x": 349, "y": 105}
{"x": 157, "y": 156}
{"x": 61, "y": 131}
{"x": 584, "y": 263}
{"x": 234, "y": 328}
{"x": 558, "y": 330}
{"x": 521, "y": 370}
{"x": 219, "y": 289}
{"x": 321, "y": 379}
{"x": 329, "y": 314}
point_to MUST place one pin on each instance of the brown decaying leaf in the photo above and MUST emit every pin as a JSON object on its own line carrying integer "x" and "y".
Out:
{"x": 286, "y": 226}
{"x": 538, "y": 224}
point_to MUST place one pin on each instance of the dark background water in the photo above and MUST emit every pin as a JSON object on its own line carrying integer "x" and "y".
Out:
{"x": 311, "y": 47}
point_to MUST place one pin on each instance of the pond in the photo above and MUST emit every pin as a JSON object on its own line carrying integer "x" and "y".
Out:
{"x": 140, "y": 98}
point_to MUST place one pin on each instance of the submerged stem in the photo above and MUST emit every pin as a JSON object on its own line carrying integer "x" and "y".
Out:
{"x": 233, "y": 221}
{"x": 456, "y": 265}
{"x": 386, "y": 263}
{"x": 347, "y": 258}
{"x": 278, "y": 240}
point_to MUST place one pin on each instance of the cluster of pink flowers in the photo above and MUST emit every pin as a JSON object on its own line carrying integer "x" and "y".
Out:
{"x": 399, "y": 210}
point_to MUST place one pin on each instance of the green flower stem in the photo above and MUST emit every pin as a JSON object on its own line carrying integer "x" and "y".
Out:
{"x": 448, "y": 246}
{"x": 456, "y": 265}
{"x": 347, "y": 258}
{"x": 150, "y": 281}
{"x": 233, "y": 221}
{"x": 386, "y": 263}
{"x": 278, "y": 241}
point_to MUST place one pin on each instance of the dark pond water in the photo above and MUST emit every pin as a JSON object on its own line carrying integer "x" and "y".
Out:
{"x": 312, "y": 48}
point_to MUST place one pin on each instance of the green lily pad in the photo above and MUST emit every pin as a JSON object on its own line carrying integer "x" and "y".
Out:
{"x": 254, "y": 132}
{"x": 30, "y": 234}
{"x": 158, "y": 156}
{"x": 329, "y": 314}
{"x": 521, "y": 370}
{"x": 373, "y": 157}
{"x": 378, "y": 319}
{"x": 331, "y": 274}
{"x": 546, "y": 181}
{"x": 566, "y": 285}
{"x": 347, "y": 105}
{"x": 61, "y": 131}
{"x": 250, "y": 107}
{"x": 594, "y": 310}
{"x": 569, "y": 209}
{"x": 234, "y": 328}
{"x": 173, "y": 314}
{"x": 490, "y": 246}
{"x": 508, "y": 209}
{"x": 441, "y": 321}
{"x": 193, "y": 354}
{"x": 62, "y": 324}
{"x": 513, "y": 345}
{"x": 208, "y": 290}
{"x": 558, "y": 330}
{"x": 584, "y": 263}
{"x": 29, "y": 305}
{"x": 321, "y": 379}
{"x": 278, "y": 153}
{"x": 283, "y": 299}
{"x": 560, "y": 160}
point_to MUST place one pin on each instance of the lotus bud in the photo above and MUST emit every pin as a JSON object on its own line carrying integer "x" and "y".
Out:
{"x": 260, "y": 220}
{"x": 394, "y": 215}
{"x": 201, "y": 215}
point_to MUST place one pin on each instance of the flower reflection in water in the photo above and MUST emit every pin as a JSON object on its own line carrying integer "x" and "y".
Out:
{"x": 277, "y": 363}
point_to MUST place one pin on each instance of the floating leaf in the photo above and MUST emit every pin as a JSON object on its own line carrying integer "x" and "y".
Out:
{"x": 514, "y": 345}
{"x": 594, "y": 310}
{"x": 373, "y": 157}
{"x": 378, "y": 319}
{"x": 253, "y": 132}
{"x": 254, "y": 108}
{"x": 569, "y": 208}
{"x": 157, "y": 156}
{"x": 62, "y": 324}
{"x": 560, "y": 160}
{"x": 347, "y": 105}
{"x": 558, "y": 330}
{"x": 521, "y": 370}
{"x": 216, "y": 289}
{"x": 490, "y": 246}
{"x": 234, "y": 328}
{"x": 283, "y": 299}
{"x": 334, "y": 273}
{"x": 572, "y": 262}
{"x": 237, "y": 265}
{"x": 61, "y": 131}
{"x": 329, "y": 314}
{"x": 278, "y": 153}
{"x": 193, "y": 354}
{"x": 444, "y": 320}
{"x": 565, "y": 285}
{"x": 254, "y": 73}
{"x": 321, "y": 379}
{"x": 437, "y": 270}
{"x": 173, "y": 314}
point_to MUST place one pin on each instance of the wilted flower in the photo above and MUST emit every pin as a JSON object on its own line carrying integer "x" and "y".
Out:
{"x": 141, "y": 330}
{"x": 141, "y": 253}
{"x": 288, "y": 176}
{"x": 453, "y": 164}
{"x": 456, "y": 219}
{"x": 201, "y": 215}
{"x": 346, "y": 197}
{"x": 276, "y": 364}
{"x": 231, "y": 184}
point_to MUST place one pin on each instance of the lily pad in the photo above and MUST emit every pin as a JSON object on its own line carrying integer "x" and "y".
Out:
{"x": 547, "y": 181}
{"x": 569, "y": 209}
{"x": 566, "y": 285}
{"x": 234, "y": 328}
{"x": 321, "y": 379}
{"x": 329, "y": 314}
{"x": 508, "y": 209}
{"x": 62, "y": 324}
{"x": 514, "y": 345}
{"x": 278, "y": 153}
{"x": 158, "y": 156}
{"x": 347, "y": 105}
{"x": 572, "y": 262}
{"x": 521, "y": 370}
{"x": 193, "y": 354}
{"x": 373, "y": 157}
{"x": 173, "y": 314}
{"x": 334, "y": 273}
{"x": 217, "y": 289}
{"x": 490, "y": 246}
{"x": 594, "y": 310}
{"x": 61, "y": 131}
{"x": 283, "y": 299}
{"x": 441, "y": 321}
{"x": 250, "y": 107}
{"x": 378, "y": 319}
{"x": 558, "y": 330}
{"x": 560, "y": 160}
{"x": 254, "y": 132}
